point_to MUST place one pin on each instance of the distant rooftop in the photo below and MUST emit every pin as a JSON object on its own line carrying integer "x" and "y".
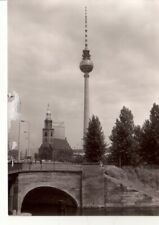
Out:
{"x": 61, "y": 144}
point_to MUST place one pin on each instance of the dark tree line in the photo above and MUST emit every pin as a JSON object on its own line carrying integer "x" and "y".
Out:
{"x": 134, "y": 145}
{"x": 48, "y": 153}
{"x": 130, "y": 144}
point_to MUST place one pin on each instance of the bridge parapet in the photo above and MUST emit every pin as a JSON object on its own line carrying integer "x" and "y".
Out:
{"x": 51, "y": 166}
{"x": 84, "y": 183}
{"x": 14, "y": 167}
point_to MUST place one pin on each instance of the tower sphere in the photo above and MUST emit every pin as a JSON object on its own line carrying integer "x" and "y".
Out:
{"x": 86, "y": 66}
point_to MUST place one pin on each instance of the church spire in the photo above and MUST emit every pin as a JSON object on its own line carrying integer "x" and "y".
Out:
{"x": 48, "y": 130}
{"x": 48, "y": 113}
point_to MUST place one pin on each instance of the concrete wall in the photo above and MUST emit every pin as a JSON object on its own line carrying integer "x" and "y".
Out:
{"x": 92, "y": 186}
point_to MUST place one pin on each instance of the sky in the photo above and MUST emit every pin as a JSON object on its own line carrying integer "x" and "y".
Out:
{"x": 45, "y": 43}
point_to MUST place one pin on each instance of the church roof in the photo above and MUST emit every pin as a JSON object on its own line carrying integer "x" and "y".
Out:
{"x": 46, "y": 146}
{"x": 61, "y": 144}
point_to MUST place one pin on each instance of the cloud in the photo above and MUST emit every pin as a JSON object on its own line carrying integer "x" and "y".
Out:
{"x": 13, "y": 108}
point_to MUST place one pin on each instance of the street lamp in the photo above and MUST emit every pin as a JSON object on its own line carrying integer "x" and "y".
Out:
{"x": 26, "y": 121}
{"x": 27, "y": 151}
{"x": 53, "y": 158}
{"x": 23, "y": 121}
{"x": 19, "y": 130}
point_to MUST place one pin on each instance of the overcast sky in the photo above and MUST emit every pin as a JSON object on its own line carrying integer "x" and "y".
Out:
{"x": 46, "y": 39}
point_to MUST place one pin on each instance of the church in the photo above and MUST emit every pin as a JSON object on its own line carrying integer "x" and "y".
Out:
{"x": 54, "y": 143}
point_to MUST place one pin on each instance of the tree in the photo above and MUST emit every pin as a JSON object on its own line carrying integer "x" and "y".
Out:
{"x": 77, "y": 159}
{"x": 137, "y": 145}
{"x": 122, "y": 138}
{"x": 36, "y": 156}
{"x": 94, "y": 144}
{"x": 63, "y": 155}
{"x": 150, "y": 137}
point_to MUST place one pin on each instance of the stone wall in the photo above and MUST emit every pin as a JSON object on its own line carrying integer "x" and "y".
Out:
{"x": 125, "y": 187}
{"x": 65, "y": 181}
{"x": 118, "y": 195}
{"x": 92, "y": 186}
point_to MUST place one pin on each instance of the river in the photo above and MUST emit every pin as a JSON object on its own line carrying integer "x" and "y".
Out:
{"x": 110, "y": 211}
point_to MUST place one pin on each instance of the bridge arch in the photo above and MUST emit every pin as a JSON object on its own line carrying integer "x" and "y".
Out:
{"x": 49, "y": 200}
{"x": 67, "y": 181}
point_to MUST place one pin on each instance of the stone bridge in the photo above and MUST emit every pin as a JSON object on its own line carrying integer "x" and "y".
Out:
{"x": 79, "y": 185}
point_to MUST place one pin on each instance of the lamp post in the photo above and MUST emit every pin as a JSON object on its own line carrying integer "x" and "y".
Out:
{"x": 19, "y": 140}
{"x": 26, "y": 121}
{"x": 23, "y": 121}
{"x": 53, "y": 152}
{"x": 27, "y": 138}
{"x": 19, "y": 130}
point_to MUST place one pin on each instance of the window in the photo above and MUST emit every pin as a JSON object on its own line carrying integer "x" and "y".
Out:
{"x": 45, "y": 134}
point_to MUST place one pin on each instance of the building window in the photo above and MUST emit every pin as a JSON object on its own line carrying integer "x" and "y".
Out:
{"x": 45, "y": 134}
{"x": 51, "y": 133}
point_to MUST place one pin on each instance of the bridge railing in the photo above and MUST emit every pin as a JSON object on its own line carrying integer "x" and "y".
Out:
{"x": 14, "y": 167}
{"x": 45, "y": 166}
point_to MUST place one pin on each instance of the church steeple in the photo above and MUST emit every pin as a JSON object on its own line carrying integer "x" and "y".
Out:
{"x": 48, "y": 130}
{"x": 48, "y": 120}
{"x": 48, "y": 113}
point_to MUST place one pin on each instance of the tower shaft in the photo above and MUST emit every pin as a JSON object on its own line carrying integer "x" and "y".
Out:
{"x": 86, "y": 66}
{"x": 86, "y": 103}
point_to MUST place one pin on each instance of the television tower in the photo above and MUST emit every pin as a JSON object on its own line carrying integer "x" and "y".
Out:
{"x": 86, "y": 66}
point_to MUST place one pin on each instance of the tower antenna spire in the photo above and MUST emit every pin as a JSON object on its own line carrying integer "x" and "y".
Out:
{"x": 86, "y": 29}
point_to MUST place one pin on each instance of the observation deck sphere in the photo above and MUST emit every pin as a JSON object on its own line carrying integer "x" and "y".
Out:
{"x": 86, "y": 66}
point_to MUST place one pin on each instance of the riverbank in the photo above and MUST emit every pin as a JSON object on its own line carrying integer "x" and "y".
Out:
{"x": 129, "y": 186}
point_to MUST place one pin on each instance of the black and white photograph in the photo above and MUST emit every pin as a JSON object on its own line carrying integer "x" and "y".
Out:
{"x": 83, "y": 108}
